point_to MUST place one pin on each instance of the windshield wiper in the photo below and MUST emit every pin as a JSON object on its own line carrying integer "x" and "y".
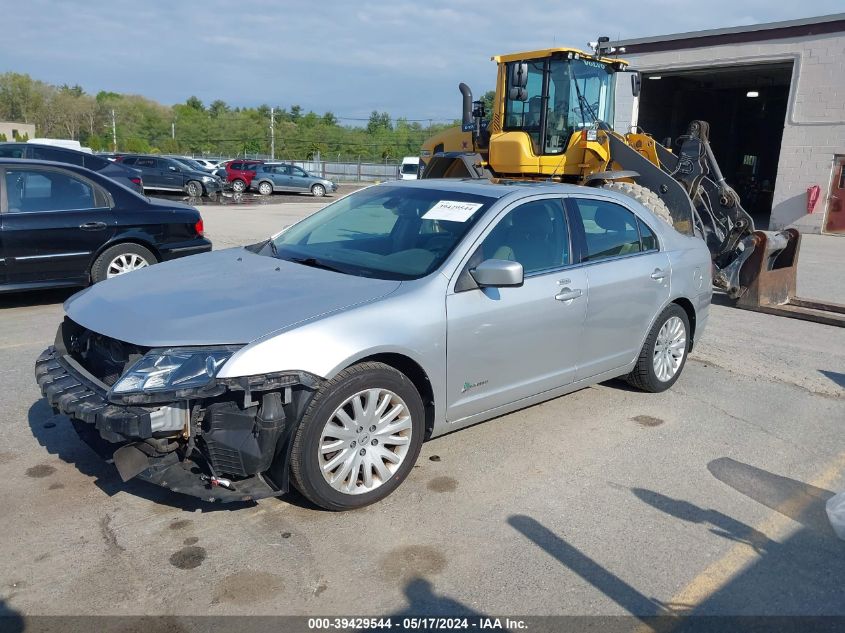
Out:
{"x": 315, "y": 263}
{"x": 273, "y": 248}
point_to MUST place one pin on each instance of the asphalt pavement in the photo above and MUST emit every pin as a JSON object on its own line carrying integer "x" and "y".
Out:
{"x": 706, "y": 499}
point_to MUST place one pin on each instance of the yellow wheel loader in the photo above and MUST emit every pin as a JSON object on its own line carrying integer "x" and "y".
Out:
{"x": 550, "y": 121}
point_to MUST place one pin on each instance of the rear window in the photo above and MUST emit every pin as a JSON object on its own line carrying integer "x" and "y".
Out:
{"x": 61, "y": 156}
{"x": 94, "y": 163}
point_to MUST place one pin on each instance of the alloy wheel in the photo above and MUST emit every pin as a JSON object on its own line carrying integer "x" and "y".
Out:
{"x": 365, "y": 441}
{"x": 125, "y": 263}
{"x": 669, "y": 349}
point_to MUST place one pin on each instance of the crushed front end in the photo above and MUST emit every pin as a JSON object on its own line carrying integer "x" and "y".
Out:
{"x": 161, "y": 414}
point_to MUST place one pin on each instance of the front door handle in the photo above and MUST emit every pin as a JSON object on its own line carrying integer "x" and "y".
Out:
{"x": 93, "y": 226}
{"x": 568, "y": 295}
{"x": 658, "y": 274}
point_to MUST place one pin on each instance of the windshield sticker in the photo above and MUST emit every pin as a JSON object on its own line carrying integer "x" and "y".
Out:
{"x": 452, "y": 211}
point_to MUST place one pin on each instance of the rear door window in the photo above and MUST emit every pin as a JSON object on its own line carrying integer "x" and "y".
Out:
{"x": 610, "y": 230}
{"x": 11, "y": 152}
{"x": 147, "y": 163}
{"x": 30, "y": 190}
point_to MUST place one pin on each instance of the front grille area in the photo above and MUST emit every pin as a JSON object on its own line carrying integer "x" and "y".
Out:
{"x": 105, "y": 358}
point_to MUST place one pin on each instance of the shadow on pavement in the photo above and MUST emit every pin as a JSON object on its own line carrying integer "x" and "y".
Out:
{"x": 800, "y": 502}
{"x": 720, "y": 524}
{"x": 623, "y": 594}
{"x": 835, "y": 376}
{"x": 63, "y": 442}
{"x": 11, "y": 621}
{"x": 36, "y": 297}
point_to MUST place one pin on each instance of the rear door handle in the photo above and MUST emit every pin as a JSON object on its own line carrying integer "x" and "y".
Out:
{"x": 93, "y": 226}
{"x": 658, "y": 274}
{"x": 568, "y": 295}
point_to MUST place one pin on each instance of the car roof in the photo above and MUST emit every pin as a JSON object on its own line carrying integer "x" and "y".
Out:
{"x": 492, "y": 188}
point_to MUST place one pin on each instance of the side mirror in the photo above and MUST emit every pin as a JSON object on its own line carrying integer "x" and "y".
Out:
{"x": 498, "y": 273}
{"x": 636, "y": 83}
{"x": 518, "y": 81}
{"x": 172, "y": 168}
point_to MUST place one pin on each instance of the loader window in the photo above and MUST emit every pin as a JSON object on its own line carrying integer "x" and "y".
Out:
{"x": 579, "y": 93}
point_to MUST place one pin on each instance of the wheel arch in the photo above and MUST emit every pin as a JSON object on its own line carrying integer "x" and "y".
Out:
{"x": 687, "y": 306}
{"x": 125, "y": 239}
{"x": 415, "y": 373}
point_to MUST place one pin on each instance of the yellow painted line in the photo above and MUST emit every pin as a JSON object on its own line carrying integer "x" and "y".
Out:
{"x": 741, "y": 555}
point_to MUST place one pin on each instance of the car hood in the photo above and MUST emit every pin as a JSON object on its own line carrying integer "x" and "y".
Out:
{"x": 224, "y": 297}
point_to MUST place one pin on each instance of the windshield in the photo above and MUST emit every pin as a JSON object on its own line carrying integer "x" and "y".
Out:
{"x": 386, "y": 232}
{"x": 410, "y": 168}
{"x": 580, "y": 93}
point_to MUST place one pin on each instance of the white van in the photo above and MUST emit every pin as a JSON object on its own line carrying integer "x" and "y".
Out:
{"x": 60, "y": 142}
{"x": 410, "y": 168}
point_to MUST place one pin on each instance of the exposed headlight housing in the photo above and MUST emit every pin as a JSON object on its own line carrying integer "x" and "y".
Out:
{"x": 207, "y": 179}
{"x": 167, "y": 370}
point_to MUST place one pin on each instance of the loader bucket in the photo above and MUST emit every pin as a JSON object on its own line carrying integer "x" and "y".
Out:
{"x": 768, "y": 278}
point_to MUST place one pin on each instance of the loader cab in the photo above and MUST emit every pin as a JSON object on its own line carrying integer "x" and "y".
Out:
{"x": 550, "y": 98}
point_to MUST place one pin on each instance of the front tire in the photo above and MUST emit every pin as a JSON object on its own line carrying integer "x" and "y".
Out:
{"x": 664, "y": 352}
{"x": 318, "y": 191}
{"x": 359, "y": 437}
{"x": 238, "y": 185}
{"x": 120, "y": 259}
{"x": 194, "y": 189}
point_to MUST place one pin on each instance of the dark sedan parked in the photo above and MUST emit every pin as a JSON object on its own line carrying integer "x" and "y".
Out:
{"x": 168, "y": 174}
{"x": 62, "y": 225}
{"x": 119, "y": 173}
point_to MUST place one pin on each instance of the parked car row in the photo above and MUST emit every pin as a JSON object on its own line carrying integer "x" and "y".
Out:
{"x": 266, "y": 177}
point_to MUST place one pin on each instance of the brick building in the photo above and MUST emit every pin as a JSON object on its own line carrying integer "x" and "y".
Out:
{"x": 774, "y": 95}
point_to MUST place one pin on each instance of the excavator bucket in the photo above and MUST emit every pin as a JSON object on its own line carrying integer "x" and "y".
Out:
{"x": 768, "y": 279}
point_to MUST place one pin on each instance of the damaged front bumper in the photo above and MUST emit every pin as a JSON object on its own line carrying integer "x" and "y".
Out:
{"x": 227, "y": 447}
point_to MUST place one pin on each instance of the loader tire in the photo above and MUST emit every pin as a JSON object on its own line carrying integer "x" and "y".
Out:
{"x": 645, "y": 196}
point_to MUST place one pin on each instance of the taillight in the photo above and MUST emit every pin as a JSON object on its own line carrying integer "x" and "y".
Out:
{"x": 199, "y": 228}
{"x": 136, "y": 181}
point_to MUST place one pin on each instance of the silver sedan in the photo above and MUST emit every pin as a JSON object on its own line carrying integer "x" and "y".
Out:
{"x": 323, "y": 356}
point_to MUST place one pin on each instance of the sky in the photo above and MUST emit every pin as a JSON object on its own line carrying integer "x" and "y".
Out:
{"x": 349, "y": 57}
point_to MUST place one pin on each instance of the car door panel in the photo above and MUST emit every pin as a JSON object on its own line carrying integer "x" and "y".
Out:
{"x": 299, "y": 180}
{"x": 506, "y": 344}
{"x": 43, "y": 241}
{"x": 628, "y": 284}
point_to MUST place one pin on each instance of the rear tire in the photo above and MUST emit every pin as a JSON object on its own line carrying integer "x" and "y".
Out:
{"x": 265, "y": 188}
{"x": 363, "y": 464}
{"x": 645, "y": 196}
{"x": 238, "y": 185}
{"x": 664, "y": 352}
{"x": 119, "y": 259}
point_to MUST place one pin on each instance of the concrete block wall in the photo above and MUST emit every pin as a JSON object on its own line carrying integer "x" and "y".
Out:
{"x": 814, "y": 129}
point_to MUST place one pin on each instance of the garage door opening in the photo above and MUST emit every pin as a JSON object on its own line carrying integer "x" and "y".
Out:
{"x": 746, "y": 108}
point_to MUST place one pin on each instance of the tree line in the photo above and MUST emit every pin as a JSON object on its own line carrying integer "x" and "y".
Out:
{"x": 215, "y": 129}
